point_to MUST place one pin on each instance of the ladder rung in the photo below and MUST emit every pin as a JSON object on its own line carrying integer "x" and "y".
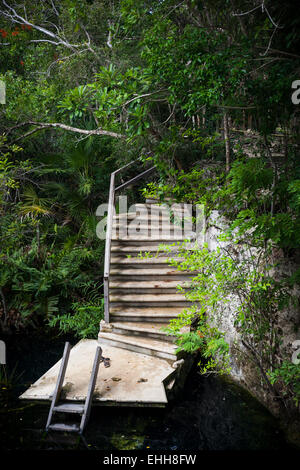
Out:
{"x": 64, "y": 427}
{"x": 69, "y": 408}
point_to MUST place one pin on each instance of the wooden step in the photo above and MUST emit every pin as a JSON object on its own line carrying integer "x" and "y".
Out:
{"x": 153, "y": 304}
{"x": 148, "y": 221}
{"x": 148, "y": 330}
{"x": 64, "y": 427}
{"x": 69, "y": 408}
{"x": 145, "y": 314}
{"x": 152, "y": 232}
{"x": 178, "y": 207}
{"x": 148, "y": 284}
{"x": 143, "y": 290}
{"x": 115, "y": 259}
{"x": 147, "y": 298}
{"x": 138, "y": 277}
{"x": 153, "y": 200}
{"x": 159, "y": 217}
{"x": 154, "y": 243}
{"x": 134, "y": 270}
{"x": 125, "y": 248}
{"x": 158, "y": 239}
{"x": 144, "y": 219}
{"x": 148, "y": 346}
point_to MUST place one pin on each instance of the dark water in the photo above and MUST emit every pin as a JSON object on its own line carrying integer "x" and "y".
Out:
{"x": 210, "y": 414}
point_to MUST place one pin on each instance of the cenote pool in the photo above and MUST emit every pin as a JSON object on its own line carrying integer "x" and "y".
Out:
{"x": 210, "y": 414}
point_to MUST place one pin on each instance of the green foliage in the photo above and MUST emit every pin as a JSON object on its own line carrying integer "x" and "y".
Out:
{"x": 83, "y": 322}
{"x": 8, "y": 169}
{"x": 240, "y": 285}
{"x": 288, "y": 375}
{"x": 237, "y": 278}
{"x": 50, "y": 256}
{"x": 114, "y": 96}
{"x": 206, "y": 339}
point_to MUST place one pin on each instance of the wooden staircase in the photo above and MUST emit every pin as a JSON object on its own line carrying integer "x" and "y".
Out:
{"x": 143, "y": 294}
{"x": 140, "y": 299}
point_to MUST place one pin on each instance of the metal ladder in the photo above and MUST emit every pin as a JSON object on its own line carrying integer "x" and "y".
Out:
{"x": 83, "y": 409}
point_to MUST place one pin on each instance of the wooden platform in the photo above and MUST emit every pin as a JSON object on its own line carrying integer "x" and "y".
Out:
{"x": 133, "y": 379}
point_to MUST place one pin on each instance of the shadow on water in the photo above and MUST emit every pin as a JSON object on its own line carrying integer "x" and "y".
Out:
{"x": 210, "y": 414}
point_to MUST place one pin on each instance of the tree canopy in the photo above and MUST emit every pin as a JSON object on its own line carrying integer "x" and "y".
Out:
{"x": 202, "y": 88}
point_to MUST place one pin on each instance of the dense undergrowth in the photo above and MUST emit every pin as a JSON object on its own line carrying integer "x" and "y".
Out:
{"x": 201, "y": 88}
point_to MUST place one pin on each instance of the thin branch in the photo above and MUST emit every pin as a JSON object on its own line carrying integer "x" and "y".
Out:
{"x": 61, "y": 59}
{"x": 235, "y": 107}
{"x": 174, "y": 8}
{"x": 263, "y": 9}
{"x": 54, "y": 8}
{"x": 109, "y": 38}
{"x": 89, "y": 45}
{"x": 280, "y": 52}
{"x": 263, "y": 65}
{"x": 3, "y": 322}
{"x": 247, "y": 12}
{"x": 171, "y": 114}
{"x": 271, "y": 19}
{"x": 49, "y": 125}
{"x": 142, "y": 96}
{"x": 269, "y": 45}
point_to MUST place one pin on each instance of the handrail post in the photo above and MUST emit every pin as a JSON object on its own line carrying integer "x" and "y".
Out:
{"x": 110, "y": 212}
{"x": 106, "y": 299}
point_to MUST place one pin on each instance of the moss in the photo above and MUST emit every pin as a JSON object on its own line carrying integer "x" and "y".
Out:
{"x": 121, "y": 442}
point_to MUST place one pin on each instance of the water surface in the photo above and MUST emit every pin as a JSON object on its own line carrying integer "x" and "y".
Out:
{"x": 210, "y": 414}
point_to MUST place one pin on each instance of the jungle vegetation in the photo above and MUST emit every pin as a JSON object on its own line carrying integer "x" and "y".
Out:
{"x": 204, "y": 90}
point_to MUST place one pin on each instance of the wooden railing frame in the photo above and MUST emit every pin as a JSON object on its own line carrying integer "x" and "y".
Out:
{"x": 110, "y": 213}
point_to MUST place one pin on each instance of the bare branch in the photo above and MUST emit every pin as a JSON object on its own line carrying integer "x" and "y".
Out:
{"x": 89, "y": 42}
{"x": 49, "y": 125}
{"x": 263, "y": 9}
{"x": 142, "y": 96}
{"x": 247, "y": 12}
{"x": 56, "y": 39}
{"x": 235, "y": 107}
{"x": 271, "y": 19}
{"x": 62, "y": 59}
{"x": 269, "y": 45}
{"x": 109, "y": 38}
{"x": 289, "y": 54}
{"x": 171, "y": 114}
{"x": 54, "y": 8}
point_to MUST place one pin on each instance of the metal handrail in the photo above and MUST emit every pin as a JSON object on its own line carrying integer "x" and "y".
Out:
{"x": 110, "y": 210}
{"x": 135, "y": 179}
{"x": 60, "y": 381}
{"x": 91, "y": 388}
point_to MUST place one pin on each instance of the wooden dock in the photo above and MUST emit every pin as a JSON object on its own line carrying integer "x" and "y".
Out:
{"x": 133, "y": 379}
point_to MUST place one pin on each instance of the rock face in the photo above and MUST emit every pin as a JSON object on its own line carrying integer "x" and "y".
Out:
{"x": 243, "y": 370}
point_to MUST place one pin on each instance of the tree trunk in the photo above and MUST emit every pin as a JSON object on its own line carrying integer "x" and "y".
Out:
{"x": 227, "y": 141}
{"x": 4, "y": 321}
